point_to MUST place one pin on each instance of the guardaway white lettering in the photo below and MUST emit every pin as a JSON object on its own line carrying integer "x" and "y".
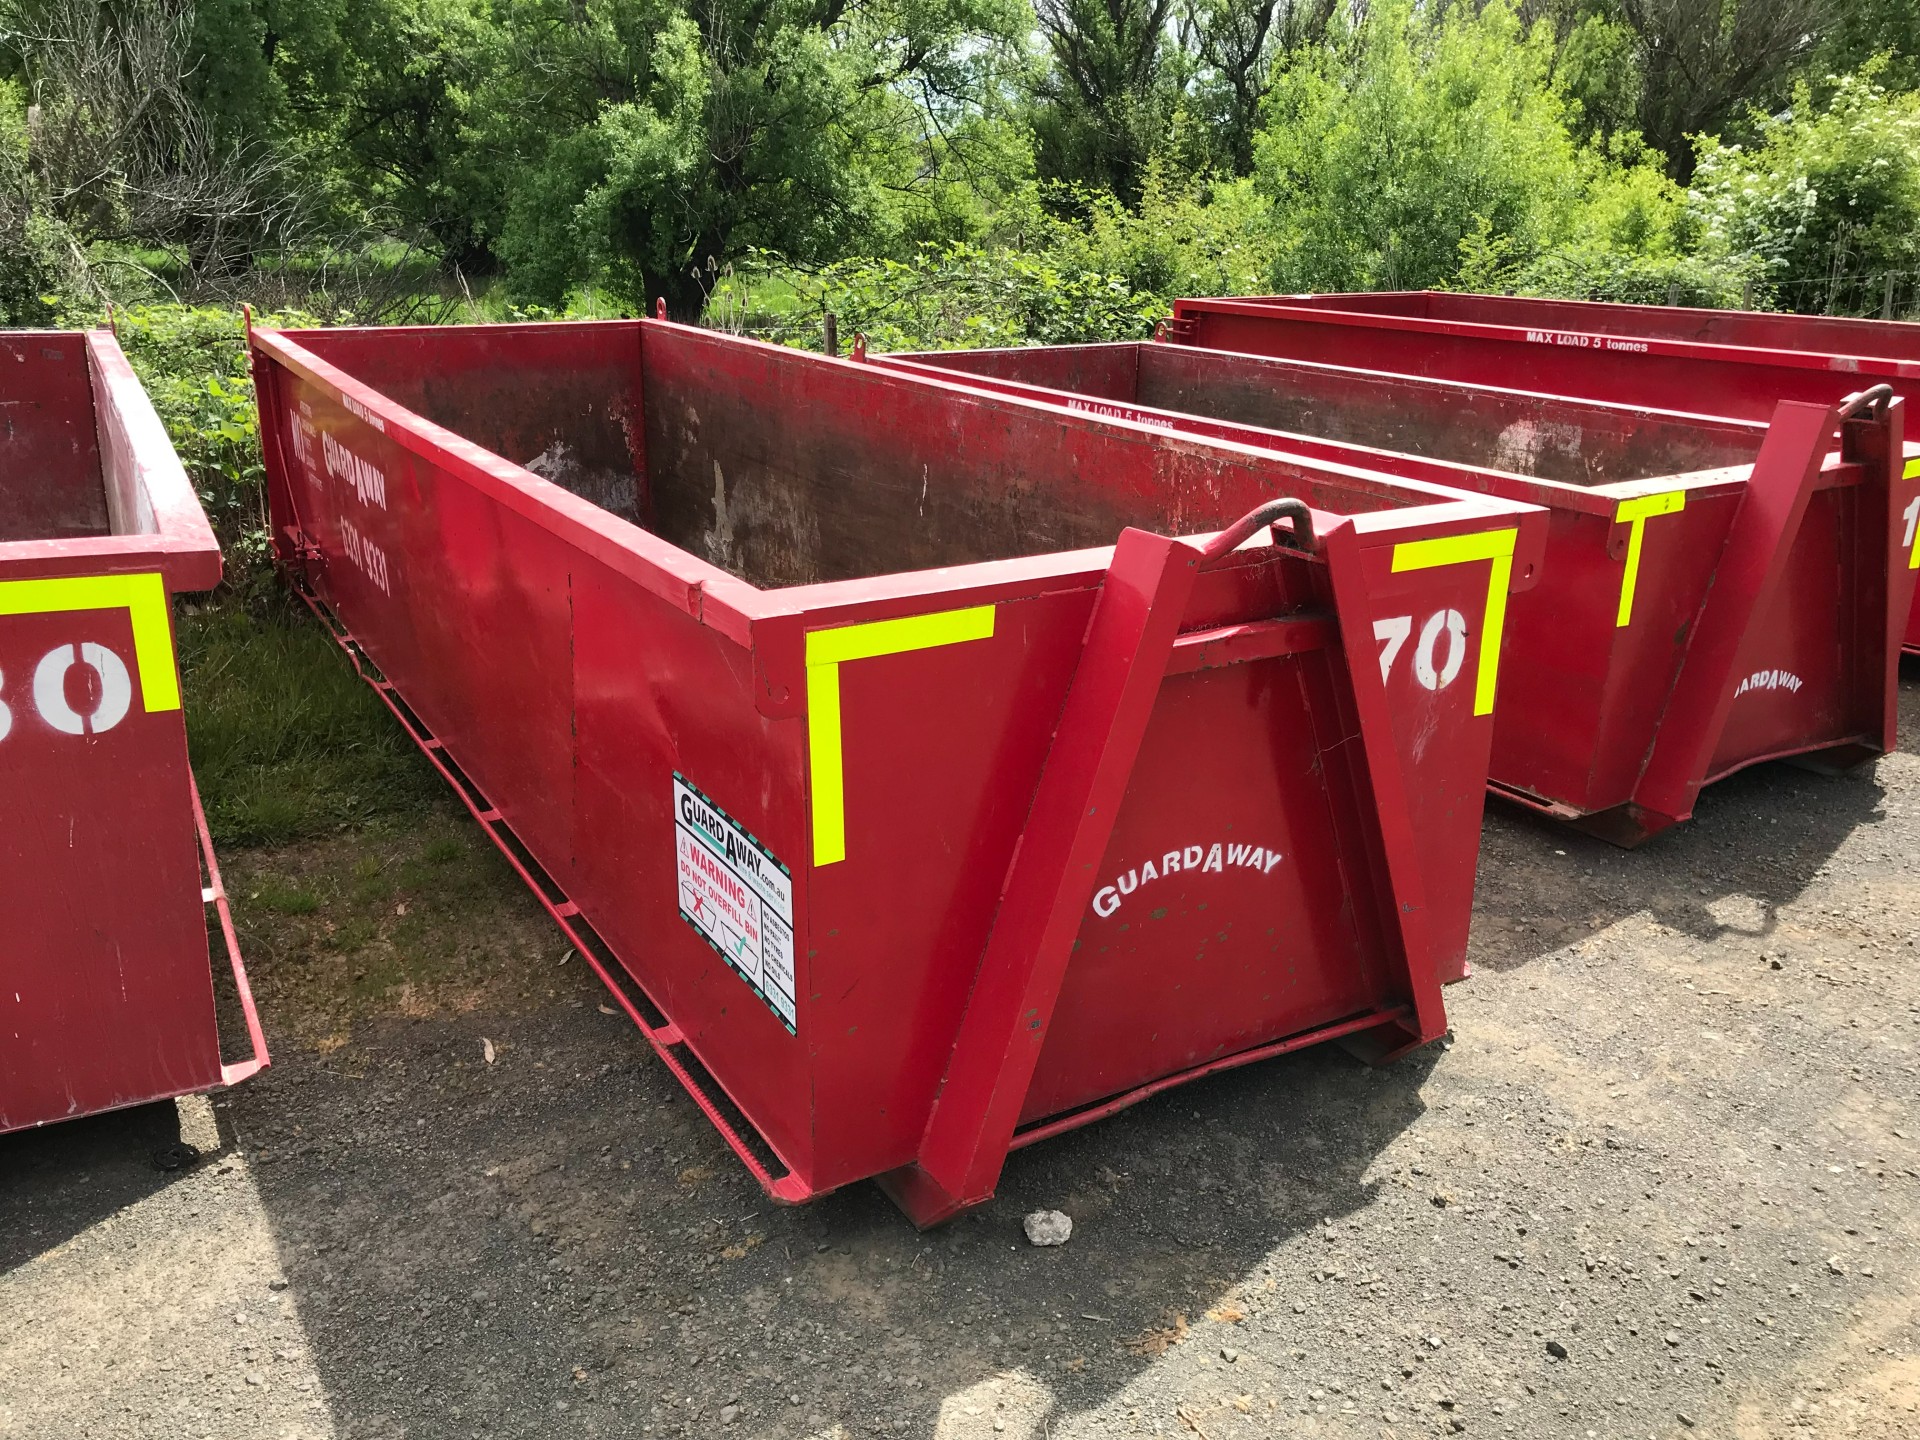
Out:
{"x": 1216, "y": 858}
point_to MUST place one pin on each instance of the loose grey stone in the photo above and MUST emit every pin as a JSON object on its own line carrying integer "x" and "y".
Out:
{"x": 1048, "y": 1227}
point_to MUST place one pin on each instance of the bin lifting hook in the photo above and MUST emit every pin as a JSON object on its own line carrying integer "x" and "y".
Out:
{"x": 1300, "y": 537}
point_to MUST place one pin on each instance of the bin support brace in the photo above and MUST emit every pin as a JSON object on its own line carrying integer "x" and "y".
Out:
{"x": 1130, "y": 644}
{"x": 1391, "y": 804}
{"x": 1750, "y": 567}
{"x": 1052, "y": 877}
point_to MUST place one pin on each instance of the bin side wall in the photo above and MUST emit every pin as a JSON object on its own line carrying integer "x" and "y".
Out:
{"x": 49, "y": 449}
{"x": 1592, "y": 695}
{"x": 1547, "y": 437}
{"x": 1100, "y": 372}
{"x": 1442, "y": 738}
{"x": 1807, "y": 674}
{"x": 660, "y": 695}
{"x": 941, "y": 750}
{"x": 1222, "y": 952}
{"x": 569, "y": 696}
{"x": 1589, "y": 694}
{"x": 1819, "y": 334}
{"x": 789, "y": 475}
{"x": 787, "y": 470}
{"x": 1234, "y": 841}
{"x": 564, "y": 402}
{"x": 1743, "y": 391}
{"x": 447, "y": 588}
{"x": 1244, "y": 895}
{"x": 1814, "y": 334}
{"x": 129, "y": 506}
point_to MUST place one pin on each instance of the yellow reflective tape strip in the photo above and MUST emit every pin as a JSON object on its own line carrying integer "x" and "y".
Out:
{"x": 1912, "y": 472}
{"x": 891, "y": 637}
{"x": 827, "y": 651}
{"x": 1635, "y": 513}
{"x": 145, "y": 599}
{"x": 823, "y": 761}
{"x": 1494, "y": 545}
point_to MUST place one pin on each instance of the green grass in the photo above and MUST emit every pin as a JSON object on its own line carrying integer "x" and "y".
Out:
{"x": 444, "y": 850}
{"x": 287, "y": 742}
{"x": 282, "y": 898}
{"x": 764, "y": 295}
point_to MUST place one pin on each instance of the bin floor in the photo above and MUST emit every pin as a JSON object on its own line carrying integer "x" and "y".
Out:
{"x": 781, "y": 488}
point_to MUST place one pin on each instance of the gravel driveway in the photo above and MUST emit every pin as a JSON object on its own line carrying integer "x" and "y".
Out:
{"x": 1665, "y": 1179}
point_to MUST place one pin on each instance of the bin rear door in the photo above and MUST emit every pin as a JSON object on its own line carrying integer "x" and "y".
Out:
{"x": 105, "y": 994}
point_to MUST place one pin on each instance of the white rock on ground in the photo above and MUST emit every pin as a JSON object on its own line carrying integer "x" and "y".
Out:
{"x": 1048, "y": 1227}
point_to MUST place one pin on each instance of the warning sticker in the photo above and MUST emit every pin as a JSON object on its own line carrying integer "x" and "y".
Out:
{"x": 737, "y": 895}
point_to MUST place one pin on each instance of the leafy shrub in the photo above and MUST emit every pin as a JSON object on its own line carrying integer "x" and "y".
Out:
{"x": 1194, "y": 236}
{"x": 1826, "y": 201}
{"x": 40, "y": 262}
{"x": 193, "y": 362}
{"x": 1382, "y": 154}
{"x": 1060, "y": 265}
{"x": 1632, "y": 237}
{"x": 961, "y": 296}
{"x": 1599, "y": 272}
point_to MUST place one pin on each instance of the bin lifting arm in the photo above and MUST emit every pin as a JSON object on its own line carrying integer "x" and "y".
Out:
{"x": 1130, "y": 646}
{"x": 1784, "y": 477}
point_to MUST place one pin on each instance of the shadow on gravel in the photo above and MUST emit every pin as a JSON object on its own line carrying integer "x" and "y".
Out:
{"x": 1910, "y": 704}
{"x": 57, "y": 1182}
{"x": 557, "y": 1243}
{"x": 1758, "y": 838}
{"x": 1756, "y": 841}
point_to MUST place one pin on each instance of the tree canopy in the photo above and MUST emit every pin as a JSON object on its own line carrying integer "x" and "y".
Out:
{"x": 541, "y": 150}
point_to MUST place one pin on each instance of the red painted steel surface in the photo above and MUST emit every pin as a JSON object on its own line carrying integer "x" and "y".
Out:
{"x": 1818, "y": 337}
{"x": 1769, "y": 557}
{"x": 1064, "y": 809}
{"x": 1724, "y": 362}
{"x": 106, "y": 998}
{"x": 1490, "y": 341}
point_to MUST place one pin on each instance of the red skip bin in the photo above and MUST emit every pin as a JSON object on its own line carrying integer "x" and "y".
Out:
{"x": 106, "y": 996}
{"x": 929, "y": 771}
{"x": 1717, "y": 591}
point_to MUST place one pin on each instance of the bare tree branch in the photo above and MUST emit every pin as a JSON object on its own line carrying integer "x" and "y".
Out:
{"x": 126, "y": 155}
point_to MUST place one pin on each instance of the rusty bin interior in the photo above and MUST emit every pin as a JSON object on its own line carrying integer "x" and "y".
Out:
{"x": 1539, "y": 436}
{"x": 50, "y": 453}
{"x": 762, "y": 481}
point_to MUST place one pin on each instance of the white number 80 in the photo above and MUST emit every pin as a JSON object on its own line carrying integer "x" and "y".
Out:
{"x": 50, "y": 691}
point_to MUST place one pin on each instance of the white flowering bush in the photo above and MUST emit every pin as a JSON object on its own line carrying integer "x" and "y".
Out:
{"x": 1825, "y": 202}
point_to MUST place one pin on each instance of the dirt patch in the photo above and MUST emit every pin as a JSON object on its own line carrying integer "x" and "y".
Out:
{"x": 416, "y": 922}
